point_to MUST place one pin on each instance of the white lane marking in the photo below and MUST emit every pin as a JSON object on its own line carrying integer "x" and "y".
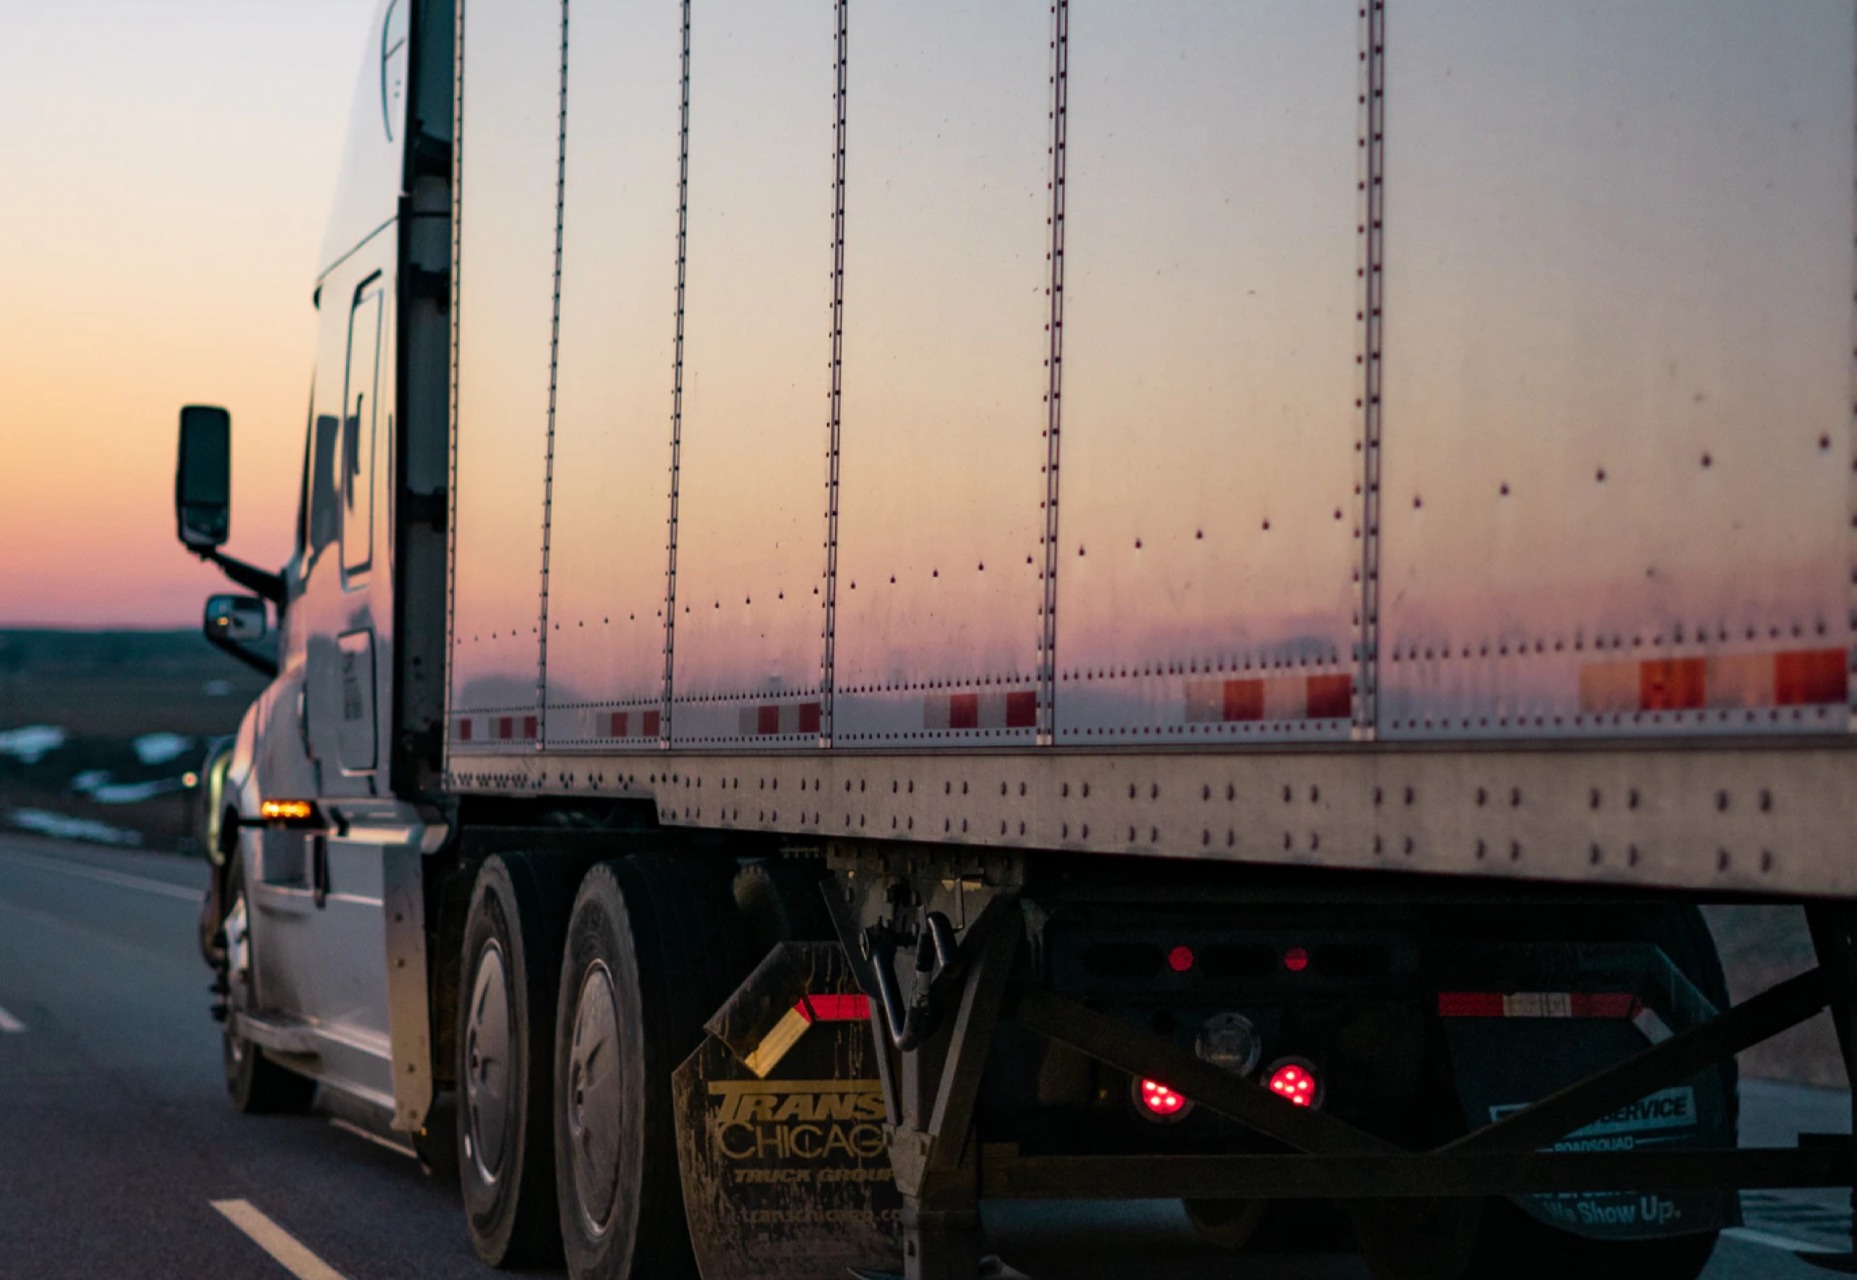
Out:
{"x": 276, "y": 1241}
{"x": 120, "y": 878}
{"x": 9, "y": 1023}
{"x": 348, "y": 1126}
{"x": 1754, "y": 1236}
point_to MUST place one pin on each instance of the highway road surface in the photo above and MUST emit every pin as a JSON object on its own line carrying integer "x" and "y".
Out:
{"x": 119, "y": 1155}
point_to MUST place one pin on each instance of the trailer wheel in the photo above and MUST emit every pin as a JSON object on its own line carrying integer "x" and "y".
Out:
{"x": 652, "y": 952}
{"x": 257, "y": 1085}
{"x": 511, "y": 958}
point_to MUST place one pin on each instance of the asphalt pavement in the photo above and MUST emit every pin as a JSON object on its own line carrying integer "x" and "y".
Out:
{"x": 120, "y": 1157}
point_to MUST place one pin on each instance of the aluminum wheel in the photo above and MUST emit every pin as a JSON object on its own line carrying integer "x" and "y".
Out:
{"x": 487, "y": 1054}
{"x": 595, "y": 1099}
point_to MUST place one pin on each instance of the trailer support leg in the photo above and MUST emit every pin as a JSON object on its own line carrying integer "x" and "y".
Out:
{"x": 933, "y": 1149}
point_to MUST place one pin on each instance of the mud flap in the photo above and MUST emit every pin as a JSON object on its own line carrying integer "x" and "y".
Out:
{"x": 780, "y": 1129}
{"x": 1542, "y": 1042}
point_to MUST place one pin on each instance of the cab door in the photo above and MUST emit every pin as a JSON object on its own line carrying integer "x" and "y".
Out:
{"x": 325, "y": 911}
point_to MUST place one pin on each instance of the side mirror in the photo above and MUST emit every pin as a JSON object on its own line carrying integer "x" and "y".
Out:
{"x": 235, "y": 620}
{"x": 203, "y": 478}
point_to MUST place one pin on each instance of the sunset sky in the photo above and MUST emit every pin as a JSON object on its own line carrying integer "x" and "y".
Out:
{"x": 168, "y": 167}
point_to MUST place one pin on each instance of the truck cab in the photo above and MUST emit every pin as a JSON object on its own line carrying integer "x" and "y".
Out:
{"x": 345, "y": 733}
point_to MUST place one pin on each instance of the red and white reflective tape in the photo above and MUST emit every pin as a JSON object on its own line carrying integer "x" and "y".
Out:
{"x": 634, "y": 724}
{"x": 1017, "y": 709}
{"x": 1798, "y": 678}
{"x": 1618, "y": 1005}
{"x": 773, "y": 718}
{"x": 1329, "y": 697}
{"x": 1536, "y": 1004}
{"x": 793, "y": 1023}
{"x": 498, "y": 728}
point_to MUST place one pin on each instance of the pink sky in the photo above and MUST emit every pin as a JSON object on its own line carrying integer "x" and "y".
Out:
{"x": 168, "y": 165}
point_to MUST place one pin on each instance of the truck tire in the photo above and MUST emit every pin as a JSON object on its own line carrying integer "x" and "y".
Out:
{"x": 256, "y": 1085}
{"x": 506, "y": 1009}
{"x": 652, "y": 952}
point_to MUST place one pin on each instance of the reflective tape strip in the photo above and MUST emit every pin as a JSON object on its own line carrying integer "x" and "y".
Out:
{"x": 769, "y": 719}
{"x": 1654, "y": 1028}
{"x": 516, "y": 728}
{"x": 629, "y": 724}
{"x": 851, "y": 1008}
{"x": 786, "y": 1033}
{"x": 776, "y": 1043}
{"x": 1008, "y": 709}
{"x": 1539, "y": 1004}
{"x": 1325, "y": 697}
{"x": 1797, "y": 678}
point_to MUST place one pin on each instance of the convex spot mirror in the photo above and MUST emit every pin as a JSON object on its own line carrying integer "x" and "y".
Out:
{"x": 203, "y": 477}
{"x": 235, "y": 618}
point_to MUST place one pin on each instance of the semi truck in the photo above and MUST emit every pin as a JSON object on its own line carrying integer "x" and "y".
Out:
{"x": 899, "y": 606}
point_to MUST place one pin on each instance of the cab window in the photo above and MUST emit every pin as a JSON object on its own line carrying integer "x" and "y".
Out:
{"x": 360, "y": 419}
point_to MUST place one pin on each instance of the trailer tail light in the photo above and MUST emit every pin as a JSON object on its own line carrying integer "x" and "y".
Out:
{"x": 1180, "y": 959}
{"x": 1295, "y": 1081}
{"x": 1296, "y": 959}
{"x": 1161, "y": 1104}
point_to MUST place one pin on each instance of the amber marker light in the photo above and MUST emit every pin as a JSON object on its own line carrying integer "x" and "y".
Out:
{"x": 287, "y": 810}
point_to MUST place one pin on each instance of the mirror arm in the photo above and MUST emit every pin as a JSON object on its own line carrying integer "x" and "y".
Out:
{"x": 258, "y": 581}
{"x": 250, "y": 657}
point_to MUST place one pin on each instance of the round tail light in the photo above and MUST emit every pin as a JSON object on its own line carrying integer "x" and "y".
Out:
{"x": 1156, "y": 1102}
{"x": 1295, "y": 1081}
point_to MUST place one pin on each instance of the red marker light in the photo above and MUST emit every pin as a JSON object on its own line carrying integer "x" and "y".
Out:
{"x": 1180, "y": 959}
{"x": 1296, "y": 959}
{"x": 1295, "y": 1081}
{"x": 1161, "y": 1104}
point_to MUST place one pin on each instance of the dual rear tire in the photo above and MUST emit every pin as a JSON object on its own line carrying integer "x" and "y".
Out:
{"x": 578, "y": 1007}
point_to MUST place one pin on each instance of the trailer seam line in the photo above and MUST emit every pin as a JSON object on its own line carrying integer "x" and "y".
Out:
{"x": 835, "y": 420}
{"x": 554, "y": 365}
{"x": 1372, "y": 116}
{"x": 1045, "y": 732}
{"x": 665, "y": 706}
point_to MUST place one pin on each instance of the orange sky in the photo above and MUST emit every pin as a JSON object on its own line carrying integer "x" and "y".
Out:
{"x": 166, "y": 168}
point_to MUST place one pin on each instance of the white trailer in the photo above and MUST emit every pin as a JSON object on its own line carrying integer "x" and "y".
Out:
{"x": 1069, "y": 572}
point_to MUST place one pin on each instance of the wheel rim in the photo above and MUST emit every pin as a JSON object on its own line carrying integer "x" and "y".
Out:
{"x": 487, "y": 1056}
{"x": 593, "y": 1099}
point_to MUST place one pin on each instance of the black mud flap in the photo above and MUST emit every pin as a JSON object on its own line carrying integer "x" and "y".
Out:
{"x": 780, "y": 1121}
{"x": 1564, "y": 1022}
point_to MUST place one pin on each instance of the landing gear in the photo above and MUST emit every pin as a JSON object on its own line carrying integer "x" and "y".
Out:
{"x": 512, "y": 956}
